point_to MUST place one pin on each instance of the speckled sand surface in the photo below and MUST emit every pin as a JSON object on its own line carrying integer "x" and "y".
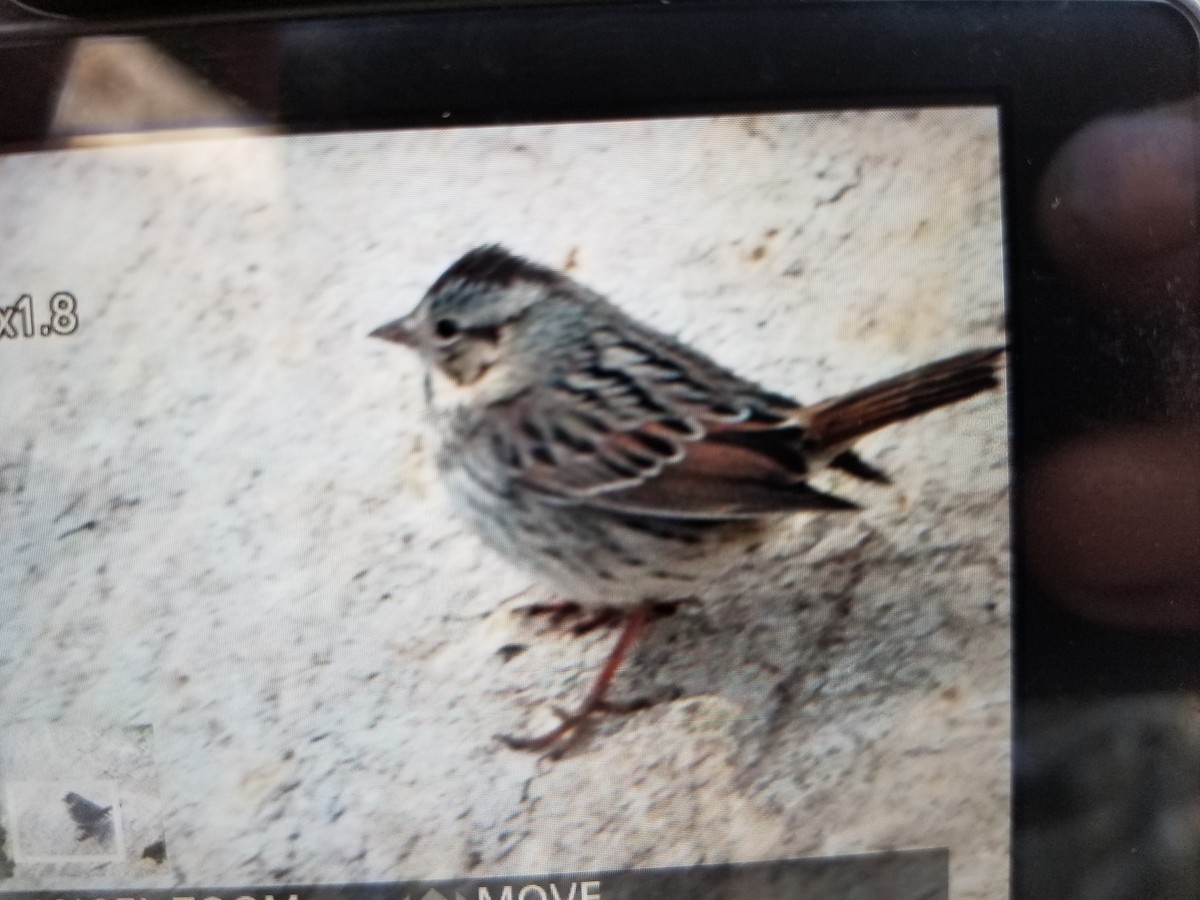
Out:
{"x": 219, "y": 516}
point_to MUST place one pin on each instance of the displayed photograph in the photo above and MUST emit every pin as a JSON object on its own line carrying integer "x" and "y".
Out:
{"x": 458, "y": 503}
{"x": 77, "y": 796}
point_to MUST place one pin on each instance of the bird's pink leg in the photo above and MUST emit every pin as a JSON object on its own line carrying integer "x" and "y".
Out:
{"x": 560, "y": 739}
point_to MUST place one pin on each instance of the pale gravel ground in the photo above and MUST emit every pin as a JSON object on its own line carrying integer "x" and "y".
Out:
{"x": 275, "y": 584}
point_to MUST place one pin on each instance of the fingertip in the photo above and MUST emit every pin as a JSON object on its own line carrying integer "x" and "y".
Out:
{"x": 1126, "y": 186}
{"x": 1112, "y": 527}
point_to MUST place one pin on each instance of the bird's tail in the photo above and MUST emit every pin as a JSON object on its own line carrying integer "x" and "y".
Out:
{"x": 837, "y": 423}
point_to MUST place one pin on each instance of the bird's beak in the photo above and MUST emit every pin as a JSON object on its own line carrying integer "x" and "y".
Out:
{"x": 398, "y": 332}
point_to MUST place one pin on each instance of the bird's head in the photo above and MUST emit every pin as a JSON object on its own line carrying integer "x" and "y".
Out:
{"x": 484, "y": 317}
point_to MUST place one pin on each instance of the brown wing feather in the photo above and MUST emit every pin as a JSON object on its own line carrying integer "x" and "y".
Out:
{"x": 657, "y": 431}
{"x": 650, "y": 427}
{"x": 716, "y": 480}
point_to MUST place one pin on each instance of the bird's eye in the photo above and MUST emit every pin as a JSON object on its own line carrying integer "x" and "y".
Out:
{"x": 445, "y": 329}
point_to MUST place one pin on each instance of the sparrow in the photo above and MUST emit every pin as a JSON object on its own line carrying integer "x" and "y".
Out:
{"x": 617, "y": 464}
{"x": 91, "y": 819}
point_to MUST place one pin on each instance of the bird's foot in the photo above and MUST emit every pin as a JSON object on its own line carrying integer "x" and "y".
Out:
{"x": 605, "y": 617}
{"x": 556, "y": 612}
{"x": 572, "y": 726}
{"x": 557, "y": 741}
{"x": 560, "y": 611}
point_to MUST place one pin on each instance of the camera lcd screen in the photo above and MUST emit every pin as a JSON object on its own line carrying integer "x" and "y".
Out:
{"x": 254, "y": 635}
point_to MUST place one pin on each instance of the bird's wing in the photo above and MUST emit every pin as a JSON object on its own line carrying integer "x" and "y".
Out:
{"x": 649, "y": 427}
